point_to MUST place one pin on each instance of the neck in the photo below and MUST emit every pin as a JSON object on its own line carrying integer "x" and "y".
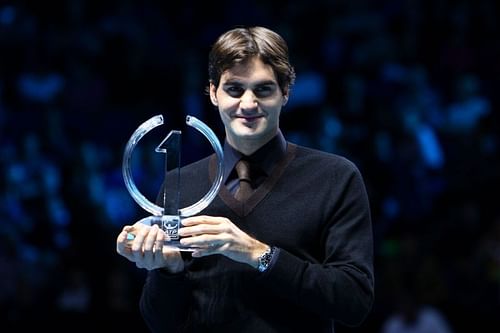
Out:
{"x": 248, "y": 146}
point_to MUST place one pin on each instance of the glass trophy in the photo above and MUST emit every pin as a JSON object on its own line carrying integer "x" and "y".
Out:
{"x": 169, "y": 217}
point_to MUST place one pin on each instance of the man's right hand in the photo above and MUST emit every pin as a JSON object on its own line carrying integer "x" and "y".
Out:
{"x": 146, "y": 248}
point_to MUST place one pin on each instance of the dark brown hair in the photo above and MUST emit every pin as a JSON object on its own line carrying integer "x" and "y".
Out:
{"x": 238, "y": 45}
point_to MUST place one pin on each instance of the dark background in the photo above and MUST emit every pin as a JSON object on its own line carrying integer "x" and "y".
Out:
{"x": 408, "y": 90}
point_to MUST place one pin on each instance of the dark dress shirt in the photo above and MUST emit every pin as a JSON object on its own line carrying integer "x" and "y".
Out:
{"x": 264, "y": 159}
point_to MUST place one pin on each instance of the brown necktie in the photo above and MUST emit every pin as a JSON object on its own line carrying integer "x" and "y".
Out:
{"x": 245, "y": 188}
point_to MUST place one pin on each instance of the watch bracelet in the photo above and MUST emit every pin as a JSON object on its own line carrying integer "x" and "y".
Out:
{"x": 266, "y": 258}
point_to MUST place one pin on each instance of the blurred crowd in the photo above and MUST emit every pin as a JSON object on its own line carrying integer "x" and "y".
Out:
{"x": 405, "y": 89}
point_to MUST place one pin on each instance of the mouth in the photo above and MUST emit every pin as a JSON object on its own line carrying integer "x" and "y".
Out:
{"x": 249, "y": 118}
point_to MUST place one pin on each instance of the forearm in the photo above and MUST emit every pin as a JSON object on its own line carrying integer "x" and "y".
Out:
{"x": 342, "y": 292}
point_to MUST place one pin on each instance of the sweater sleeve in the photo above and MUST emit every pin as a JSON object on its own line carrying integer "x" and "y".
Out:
{"x": 165, "y": 301}
{"x": 342, "y": 286}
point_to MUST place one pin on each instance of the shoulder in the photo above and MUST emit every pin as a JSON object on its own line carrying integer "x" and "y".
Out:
{"x": 325, "y": 160}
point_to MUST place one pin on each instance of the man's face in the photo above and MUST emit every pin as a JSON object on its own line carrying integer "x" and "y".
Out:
{"x": 249, "y": 101}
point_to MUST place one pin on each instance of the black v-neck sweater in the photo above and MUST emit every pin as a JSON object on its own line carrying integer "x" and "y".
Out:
{"x": 314, "y": 208}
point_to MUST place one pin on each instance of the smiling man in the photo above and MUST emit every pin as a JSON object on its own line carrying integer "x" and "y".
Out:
{"x": 293, "y": 255}
{"x": 249, "y": 101}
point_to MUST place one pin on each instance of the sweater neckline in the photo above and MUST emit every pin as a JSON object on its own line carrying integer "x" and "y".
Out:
{"x": 242, "y": 209}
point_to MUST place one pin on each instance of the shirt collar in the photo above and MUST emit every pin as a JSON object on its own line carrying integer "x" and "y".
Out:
{"x": 265, "y": 157}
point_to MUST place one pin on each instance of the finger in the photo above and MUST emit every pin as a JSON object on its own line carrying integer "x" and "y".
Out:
{"x": 160, "y": 251}
{"x": 122, "y": 246}
{"x": 149, "y": 242}
{"x": 122, "y": 238}
{"x": 125, "y": 250}
{"x": 138, "y": 243}
{"x": 201, "y": 241}
{"x": 141, "y": 232}
{"x": 159, "y": 241}
{"x": 129, "y": 236}
{"x": 194, "y": 220}
{"x": 201, "y": 229}
{"x": 127, "y": 229}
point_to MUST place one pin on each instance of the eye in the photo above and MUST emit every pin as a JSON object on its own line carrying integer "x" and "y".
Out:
{"x": 264, "y": 91}
{"x": 234, "y": 91}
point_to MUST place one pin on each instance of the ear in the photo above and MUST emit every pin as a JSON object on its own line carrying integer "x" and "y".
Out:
{"x": 213, "y": 95}
{"x": 285, "y": 97}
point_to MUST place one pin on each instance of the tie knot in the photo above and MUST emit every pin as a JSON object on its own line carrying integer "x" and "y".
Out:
{"x": 243, "y": 170}
{"x": 245, "y": 186}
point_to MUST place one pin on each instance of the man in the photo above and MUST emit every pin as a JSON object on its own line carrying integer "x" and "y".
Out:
{"x": 294, "y": 256}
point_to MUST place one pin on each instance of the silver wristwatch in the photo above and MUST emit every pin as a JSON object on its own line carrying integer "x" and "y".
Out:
{"x": 265, "y": 259}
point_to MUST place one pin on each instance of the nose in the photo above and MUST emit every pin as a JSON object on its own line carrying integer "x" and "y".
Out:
{"x": 248, "y": 100}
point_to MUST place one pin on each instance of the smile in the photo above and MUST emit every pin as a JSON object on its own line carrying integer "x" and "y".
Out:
{"x": 250, "y": 117}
